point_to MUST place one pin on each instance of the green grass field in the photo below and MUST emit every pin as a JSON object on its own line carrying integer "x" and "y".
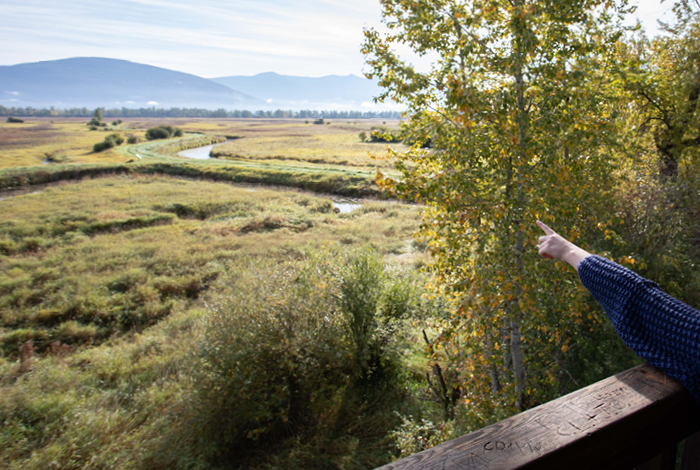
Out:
{"x": 327, "y": 158}
{"x": 134, "y": 290}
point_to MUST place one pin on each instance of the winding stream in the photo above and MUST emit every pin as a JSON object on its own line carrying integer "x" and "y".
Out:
{"x": 199, "y": 153}
{"x": 204, "y": 153}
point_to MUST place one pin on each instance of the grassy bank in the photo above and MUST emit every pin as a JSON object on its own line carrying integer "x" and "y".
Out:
{"x": 352, "y": 183}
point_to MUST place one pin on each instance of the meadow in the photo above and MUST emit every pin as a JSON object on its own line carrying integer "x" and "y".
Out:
{"x": 328, "y": 158}
{"x": 43, "y": 141}
{"x": 149, "y": 320}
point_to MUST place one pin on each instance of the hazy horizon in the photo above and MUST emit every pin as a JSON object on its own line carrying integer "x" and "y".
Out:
{"x": 210, "y": 39}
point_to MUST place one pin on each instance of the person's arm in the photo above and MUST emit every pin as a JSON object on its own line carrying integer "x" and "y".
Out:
{"x": 656, "y": 326}
{"x": 553, "y": 245}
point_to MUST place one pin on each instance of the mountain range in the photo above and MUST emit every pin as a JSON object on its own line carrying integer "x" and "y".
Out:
{"x": 99, "y": 82}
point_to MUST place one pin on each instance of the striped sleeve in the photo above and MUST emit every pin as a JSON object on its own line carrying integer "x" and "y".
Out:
{"x": 659, "y": 328}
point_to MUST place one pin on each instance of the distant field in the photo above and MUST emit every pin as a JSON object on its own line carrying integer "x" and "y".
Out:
{"x": 332, "y": 144}
{"x": 36, "y": 141}
{"x": 42, "y": 141}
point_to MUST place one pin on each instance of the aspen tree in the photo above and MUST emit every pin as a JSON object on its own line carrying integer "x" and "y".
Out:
{"x": 516, "y": 113}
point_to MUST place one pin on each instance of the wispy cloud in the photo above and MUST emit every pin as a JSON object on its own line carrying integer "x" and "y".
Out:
{"x": 207, "y": 37}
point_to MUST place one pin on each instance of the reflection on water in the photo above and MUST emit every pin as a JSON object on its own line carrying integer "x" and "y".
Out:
{"x": 199, "y": 153}
{"x": 346, "y": 207}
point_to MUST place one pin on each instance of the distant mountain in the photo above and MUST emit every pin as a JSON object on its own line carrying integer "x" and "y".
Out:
{"x": 94, "y": 82}
{"x": 299, "y": 92}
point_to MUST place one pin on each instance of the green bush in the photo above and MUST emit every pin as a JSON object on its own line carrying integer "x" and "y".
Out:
{"x": 133, "y": 139}
{"x": 14, "y": 120}
{"x": 112, "y": 140}
{"x": 163, "y": 132}
{"x": 382, "y": 134}
{"x": 305, "y": 351}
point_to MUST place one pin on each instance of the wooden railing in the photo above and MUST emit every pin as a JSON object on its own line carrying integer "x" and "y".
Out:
{"x": 634, "y": 419}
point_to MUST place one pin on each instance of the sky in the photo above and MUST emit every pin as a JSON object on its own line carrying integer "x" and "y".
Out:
{"x": 209, "y": 38}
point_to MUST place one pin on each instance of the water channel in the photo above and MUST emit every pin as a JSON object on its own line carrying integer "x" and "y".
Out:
{"x": 199, "y": 153}
{"x": 204, "y": 153}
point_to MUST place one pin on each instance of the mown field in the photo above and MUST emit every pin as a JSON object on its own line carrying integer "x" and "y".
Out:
{"x": 149, "y": 320}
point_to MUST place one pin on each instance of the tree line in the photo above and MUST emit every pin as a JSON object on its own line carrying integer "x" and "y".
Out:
{"x": 198, "y": 113}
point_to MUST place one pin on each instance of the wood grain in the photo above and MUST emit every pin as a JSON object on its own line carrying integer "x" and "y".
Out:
{"x": 620, "y": 422}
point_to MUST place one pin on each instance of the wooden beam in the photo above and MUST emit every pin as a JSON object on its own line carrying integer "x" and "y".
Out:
{"x": 618, "y": 423}
{"x": 691, "y": 453}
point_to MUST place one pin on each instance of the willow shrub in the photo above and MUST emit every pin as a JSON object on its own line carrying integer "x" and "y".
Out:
{"x": 305, "y": 358}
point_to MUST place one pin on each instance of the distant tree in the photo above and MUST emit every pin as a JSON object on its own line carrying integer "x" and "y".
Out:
{"x": 96, "y": 120}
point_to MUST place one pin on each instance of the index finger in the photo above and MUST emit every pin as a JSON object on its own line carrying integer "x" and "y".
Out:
{"x": 543, "y": 226}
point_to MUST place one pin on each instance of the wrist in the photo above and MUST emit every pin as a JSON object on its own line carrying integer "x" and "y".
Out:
{"x": 575, "y": 255}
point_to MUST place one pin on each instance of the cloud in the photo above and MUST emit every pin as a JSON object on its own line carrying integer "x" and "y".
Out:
{"x": 152, "y": 103}
{"x": 207, "y": 37}
{"x": 210, "y": 38}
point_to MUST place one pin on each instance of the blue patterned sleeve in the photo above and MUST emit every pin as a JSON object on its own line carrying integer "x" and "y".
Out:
{"x": 659, "y": 328}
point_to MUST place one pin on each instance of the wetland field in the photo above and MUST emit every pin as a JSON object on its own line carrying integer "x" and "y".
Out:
{"x": 259, "y": 309}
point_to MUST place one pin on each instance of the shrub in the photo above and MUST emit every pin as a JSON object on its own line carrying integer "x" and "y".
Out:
{"x": 363, "y": 136}
{"x": 163, "y": 132}
{"x": 382, "y": 134}
{"x": 14, "y": 120}
{"x": 306, "y": 350}
{"x": 133, "y": 139}
{"x": 319, "y": 121}
{"x": 112, "y": 140}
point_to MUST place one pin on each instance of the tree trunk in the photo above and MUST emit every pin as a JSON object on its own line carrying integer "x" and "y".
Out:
{"x": 493, "y": 371}
{"x": 516, "y": 351}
